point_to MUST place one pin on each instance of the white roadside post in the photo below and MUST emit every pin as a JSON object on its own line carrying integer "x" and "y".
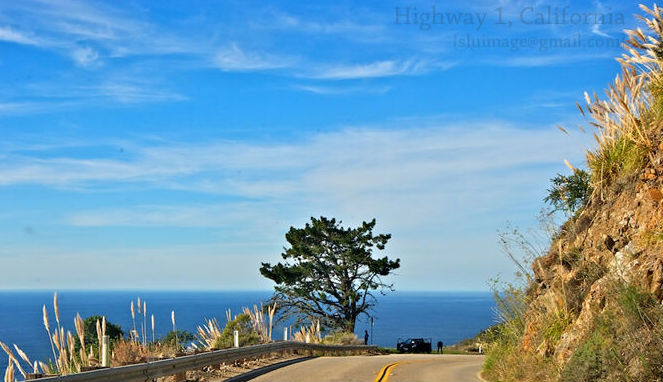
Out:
{"x": 285, "y": 334}
{"x": 104, "y": 351}
{"x": 236, "y": 338}
{"x": 308, "y": 338}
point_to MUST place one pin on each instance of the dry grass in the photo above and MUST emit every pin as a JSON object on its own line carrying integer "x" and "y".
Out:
{"x": 342, "y": 338}
{"x": 209, "y": 333}
{"x": 13, "y": 361}
{"x": 128, "y": 352}
{"x": 9, "y": 372}
{"x": 139, "y": 332}
{"x": 261, "y": 324}
{"x": 625, "y": 120}
{"x": 63, "y": 344}
{"x": 309, "y": 334}
{"x": 134, "y": 333}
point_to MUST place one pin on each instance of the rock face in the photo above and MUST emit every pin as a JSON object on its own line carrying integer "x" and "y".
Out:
{"x": 617, "y": 236}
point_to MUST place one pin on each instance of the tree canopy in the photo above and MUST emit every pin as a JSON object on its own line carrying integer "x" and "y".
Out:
{"x": 90, "y": 329}
{"x": 329, "y": 272}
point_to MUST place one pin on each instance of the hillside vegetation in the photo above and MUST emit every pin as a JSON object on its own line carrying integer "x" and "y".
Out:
{"x": 591, "y": 308}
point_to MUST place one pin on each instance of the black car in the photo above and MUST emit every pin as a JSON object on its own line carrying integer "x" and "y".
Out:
{"x": 414, "y": 345}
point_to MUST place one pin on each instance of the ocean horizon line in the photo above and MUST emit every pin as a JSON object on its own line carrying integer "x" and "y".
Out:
{"x": 203, "y": 290}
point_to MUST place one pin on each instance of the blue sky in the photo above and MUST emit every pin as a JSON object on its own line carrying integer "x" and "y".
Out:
{"x": 172, "y": 144}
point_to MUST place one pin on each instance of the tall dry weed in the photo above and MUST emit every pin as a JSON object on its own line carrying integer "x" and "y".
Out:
{"x": 309, "y": 334}
{"x": 625, "y": 121}
{"x": 261, "y": 324}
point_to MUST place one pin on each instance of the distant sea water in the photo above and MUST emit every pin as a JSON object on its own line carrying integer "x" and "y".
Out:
{"x": 446, "y": 316}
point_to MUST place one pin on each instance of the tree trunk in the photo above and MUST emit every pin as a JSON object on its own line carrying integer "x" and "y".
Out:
{"x": 349, "y": 326}
{"x": 349, "y": 323}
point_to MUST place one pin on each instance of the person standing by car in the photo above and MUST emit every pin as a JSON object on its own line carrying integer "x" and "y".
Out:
{"x": 440, "y": 345}
{"x": 365, "y": 337}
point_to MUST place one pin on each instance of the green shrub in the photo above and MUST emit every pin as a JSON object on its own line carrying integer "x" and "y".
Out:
{"x": 569, "y": 193}
{"x": 247, "y": 335}
{"x": 90, "y": 327}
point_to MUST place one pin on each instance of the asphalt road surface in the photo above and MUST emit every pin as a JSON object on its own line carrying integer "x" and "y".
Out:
{"x": 385, "y": 368}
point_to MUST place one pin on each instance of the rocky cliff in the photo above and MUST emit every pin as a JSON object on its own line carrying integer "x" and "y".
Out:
{"x": 593, "y": 308}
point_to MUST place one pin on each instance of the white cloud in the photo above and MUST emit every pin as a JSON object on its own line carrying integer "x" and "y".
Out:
{"x": 335, "y": 90}
{"x": 85, "y": 56}
{"x": 118, "y": 89}
{"x": 406, "y": 176}
{"x": 233, "y": 58}
{"x": 15, "y": 107}
{"x": 363, "y": 31}
{"x": 596, "y": 29}
{"x": 342, "y": 157}
{"x": 133, "y": 93}
{"x": 384, "y": 68}
{"x": 10, "y": 35}
{"x": 107, "y": 30}
{"x": 30, "y": 107}
{"x": 215, "y": 215}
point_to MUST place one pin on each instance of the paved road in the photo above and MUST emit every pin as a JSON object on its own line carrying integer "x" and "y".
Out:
{"x": 386, "y": 368}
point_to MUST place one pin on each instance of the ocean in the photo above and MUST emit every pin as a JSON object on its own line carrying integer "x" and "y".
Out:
{"x": 446, "y": 316}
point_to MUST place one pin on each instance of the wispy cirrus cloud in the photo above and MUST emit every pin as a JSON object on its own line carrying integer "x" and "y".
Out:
{"x": 15, "y": 107}
{"x": 237, "y": 59}
{"x": 85, "y": 56}
{"x": 208, "y": 215}
{"x": 376, "y": 69}
{"x": 384, "y": 68}
{"x": 88, "y": 32}
{"x": 234, "y": 58}
{"x": 355, "y": 29}
{"x": 31, "y": 107}
{"x": 130, "y": 93}
{"x": 336, "y": 90}
{"x": 10, "y": 35}
{"x": 386, "y": 159}
{"x": 99, "y": 90}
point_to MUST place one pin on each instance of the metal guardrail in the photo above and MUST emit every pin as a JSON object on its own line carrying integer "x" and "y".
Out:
{"x": 151, "y": 370}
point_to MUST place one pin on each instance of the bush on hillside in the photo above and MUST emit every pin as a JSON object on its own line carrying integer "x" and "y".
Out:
{"x": 247, "y": 335}
{"x": 569, "y": 193}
